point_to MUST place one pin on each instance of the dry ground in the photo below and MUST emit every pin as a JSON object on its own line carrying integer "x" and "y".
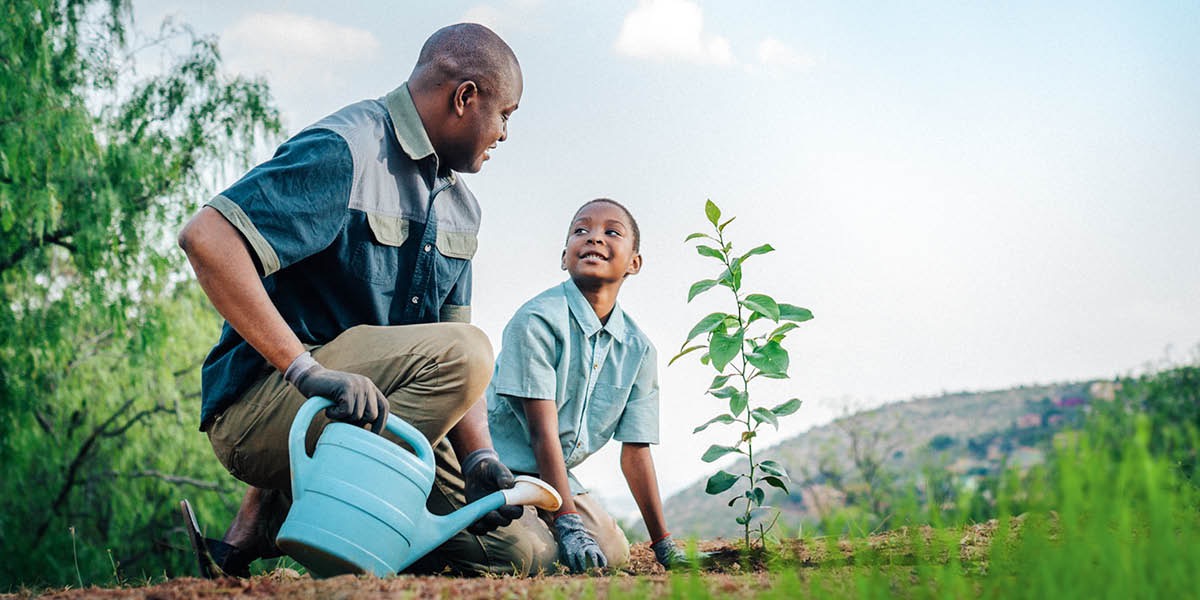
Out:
{"x": 730, "y": 574}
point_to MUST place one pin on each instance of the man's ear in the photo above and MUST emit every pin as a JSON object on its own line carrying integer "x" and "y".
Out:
{"x": 635, "y": 265}
{"x": 465, "y": 93}
{"x": 564, "y": 259}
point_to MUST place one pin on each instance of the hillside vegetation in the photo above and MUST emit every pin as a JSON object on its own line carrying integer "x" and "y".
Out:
{"x": 932, "y": 447}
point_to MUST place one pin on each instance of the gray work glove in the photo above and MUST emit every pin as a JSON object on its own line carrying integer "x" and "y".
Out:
{"x": 576, "y": 548}
{"x": 483, "y": 474}
{"x": 670, "y": 556}
{"x": 356, "y": 399}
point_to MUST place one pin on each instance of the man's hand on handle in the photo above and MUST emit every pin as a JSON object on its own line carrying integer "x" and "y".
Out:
{"x": 483, "y": 474}
{"x": 356, "y": 398}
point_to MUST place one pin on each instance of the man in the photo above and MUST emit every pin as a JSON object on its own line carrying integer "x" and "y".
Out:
{"x": 343, "y": 269}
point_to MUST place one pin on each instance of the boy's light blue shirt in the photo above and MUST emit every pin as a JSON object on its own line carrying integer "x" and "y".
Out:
{"x": 602, "y": 377}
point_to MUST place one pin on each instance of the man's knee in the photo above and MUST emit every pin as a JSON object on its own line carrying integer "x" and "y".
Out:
{"x": 469, "y": 349}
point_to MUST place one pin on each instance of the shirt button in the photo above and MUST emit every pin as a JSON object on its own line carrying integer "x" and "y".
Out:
{"x": 428, "y": 247}
{"x": 595, "y": 365}
{"x": 415, "y": 300}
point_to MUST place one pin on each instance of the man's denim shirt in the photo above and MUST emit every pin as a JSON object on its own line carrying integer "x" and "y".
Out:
{"x": 602, "y": 377}
{"x": 349, "y": 224}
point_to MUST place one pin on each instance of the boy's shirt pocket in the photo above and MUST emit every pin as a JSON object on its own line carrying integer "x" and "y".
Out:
{"x": 606, "y": 407}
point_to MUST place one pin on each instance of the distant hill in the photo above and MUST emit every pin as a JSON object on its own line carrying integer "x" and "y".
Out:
{"x": 963, "y": 435}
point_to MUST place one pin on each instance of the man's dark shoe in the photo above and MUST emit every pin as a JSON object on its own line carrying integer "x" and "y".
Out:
{"x": 214, "y": 558}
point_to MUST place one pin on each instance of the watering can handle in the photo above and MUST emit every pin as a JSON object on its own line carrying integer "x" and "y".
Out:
{"x": 300, "y": 458}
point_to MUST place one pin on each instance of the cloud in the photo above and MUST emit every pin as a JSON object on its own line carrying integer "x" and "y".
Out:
{"x": 295, "y": 49}
{"x": 773, "y": 53}
{"x": 671, "y": 30}
{"x": 512, "y": 16}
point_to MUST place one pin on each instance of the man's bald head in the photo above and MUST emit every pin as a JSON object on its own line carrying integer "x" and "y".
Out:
{"x": 465, "y": 52}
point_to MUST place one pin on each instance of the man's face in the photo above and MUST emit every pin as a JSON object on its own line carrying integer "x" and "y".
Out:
{"x": 600, "y": 245}
{"x": 484, "y": 124}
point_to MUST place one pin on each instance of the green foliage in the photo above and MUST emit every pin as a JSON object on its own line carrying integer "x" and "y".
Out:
{"x": 740, "y": 351}
{"x": 100, "y": 336}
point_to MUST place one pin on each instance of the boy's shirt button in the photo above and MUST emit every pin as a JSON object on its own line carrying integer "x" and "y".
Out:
{"x": 595, "y": 365}
{"x": 428, "y": 247}
{"x": 415, "y": 299}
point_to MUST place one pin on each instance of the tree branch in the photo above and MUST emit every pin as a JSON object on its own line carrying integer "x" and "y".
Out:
{"x": 170, "y": 478}
{"x": 73, "y": 469}
{"x": 58, "y": 238}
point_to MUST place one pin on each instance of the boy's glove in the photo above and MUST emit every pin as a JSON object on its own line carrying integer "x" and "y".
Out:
{"x": 356, "y": 399}
{"x": 483, "y": 473}
{"x": 670, "y": 556}
{"x": 576, "y": 547}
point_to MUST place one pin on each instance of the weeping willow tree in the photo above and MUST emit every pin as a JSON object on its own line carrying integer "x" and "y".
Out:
{"x": 102, "y": 331}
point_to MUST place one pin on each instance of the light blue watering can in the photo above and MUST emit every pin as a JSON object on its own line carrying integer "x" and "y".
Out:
{"x": 358, "y": 504}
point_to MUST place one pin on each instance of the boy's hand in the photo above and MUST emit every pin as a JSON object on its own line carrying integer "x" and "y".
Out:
{"x": 670, "y": 556}
{"x": 576, "y": 547}
{"x": 483, "y": 474}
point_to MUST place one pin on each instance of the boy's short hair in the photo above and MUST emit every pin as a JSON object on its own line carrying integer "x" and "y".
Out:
{"x": 637, "y": 232}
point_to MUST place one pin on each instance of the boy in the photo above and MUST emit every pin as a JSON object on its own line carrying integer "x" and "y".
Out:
{"x": 574, "y": 372}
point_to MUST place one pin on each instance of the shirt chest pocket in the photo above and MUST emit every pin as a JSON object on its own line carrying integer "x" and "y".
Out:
{"x": 375, "y": 256}
{"x": 605, "y": 409}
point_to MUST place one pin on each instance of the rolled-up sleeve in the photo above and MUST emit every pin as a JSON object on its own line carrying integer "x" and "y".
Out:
{"x": 528, "y": 360}
{"x": 639, "y": 421}
{"x": 457, "y": 307}
{"x": 293, "y": 205}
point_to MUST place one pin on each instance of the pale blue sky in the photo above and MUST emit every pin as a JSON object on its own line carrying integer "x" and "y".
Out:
{"x": 969, "y": 195}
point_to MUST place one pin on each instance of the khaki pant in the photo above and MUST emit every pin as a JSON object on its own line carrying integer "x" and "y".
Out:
{"x": 431, "y": 375}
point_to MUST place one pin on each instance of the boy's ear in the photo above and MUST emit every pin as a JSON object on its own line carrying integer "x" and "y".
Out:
{"x": 465, "y": 93}
{"x": 635, "y": 265}
{"x": 564, "y": 259}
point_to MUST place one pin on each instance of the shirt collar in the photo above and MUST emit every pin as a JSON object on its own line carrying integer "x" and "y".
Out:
{"x": 585, "y": 315}
{"x": 408, "y": 127}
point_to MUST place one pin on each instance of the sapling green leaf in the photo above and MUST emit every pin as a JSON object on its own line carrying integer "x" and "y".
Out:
{"x": 763, "y": 249}
{"x": 787, "y": 408}
{"x": 774, "y": 468}
{"x": 763, "y": 415}
{"x": 707, "y": 324}
{"x": 759, "y": 496}
{"x": 725, "y": 392}
{"x": 711, "y": 252}
{"x": 693, "y": 236}
{"x": 726, "y": 419}
{"x": 719, "y": 381}
{"x": 738, "y": 402}
{"x": 770, "y": 358}
{"x": 716, "y": 451}
{"x": 776, "y": 482}
{"x": 684, "y": 352}
{"x": 789, "y": 312}
{"x": 712, "y": 212}
{"x": 700, "y": 287}
{"x": 780, "y": 332}
{"x": 720, "y": 482}
{"x": 722, "y": 348}
{"x": 722, "y": 226}
{"x": 762, "y": 304}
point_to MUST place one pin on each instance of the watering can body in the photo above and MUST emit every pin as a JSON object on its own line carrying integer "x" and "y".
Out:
{"x": 358, "y": 504}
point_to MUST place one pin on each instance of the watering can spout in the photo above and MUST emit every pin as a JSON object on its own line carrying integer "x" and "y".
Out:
{"x": 528, "y": 491}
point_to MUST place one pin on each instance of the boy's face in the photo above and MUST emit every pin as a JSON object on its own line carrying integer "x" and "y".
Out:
{"x": 600, "y": 246}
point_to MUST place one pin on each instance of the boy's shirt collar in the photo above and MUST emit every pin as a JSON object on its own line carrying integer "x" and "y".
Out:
{"x": 408, "y": 127}
{"x": 585, "y": 315}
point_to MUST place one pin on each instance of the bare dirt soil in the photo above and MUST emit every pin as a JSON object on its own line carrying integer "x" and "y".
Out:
{"x": 730, "y": 573}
